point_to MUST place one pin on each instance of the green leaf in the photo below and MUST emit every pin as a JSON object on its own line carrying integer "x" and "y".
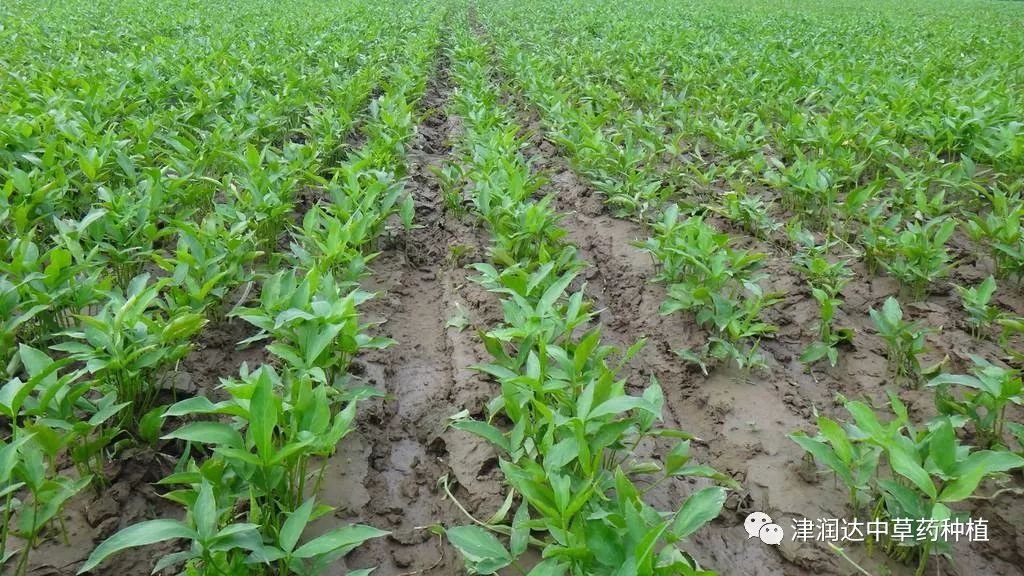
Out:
{"x": 561, "y": 454}
{"x": 549, "y": 567}
{"x": 942, "y": 447}
{"x": 194, "y": 405}
{"x": 824, "y": 454}
{"x": 480, "y": 548}
{"x": 105, "y": 413}
{"x": 621, "y": 404}
{"x": 204, "y": 513}
{"x": 174, "y": 559}
{"x": 837, "y": 438}
{"x": 678, "y": 458}
{"x": 484, "y": 430}
{"x": 293, "y": 527}
{"x": 151, "y": 423}
{"x": 520, "y": 530}
{"x": 815, "y": 352}
{"x": 142, "y": 534}
{"x": 866, "y": 420}
{"x": 909, "y": 501}
{"x": 9, "y": 456}
{"x": 216, "y": 433}
{"x": 974, "y": 469}
{"x": 344, "y": 538}
{"x": 700, "y": 508}
{"x": 182, "y": 326}
{"x": 263, "y": 416}
{"x": 906, "y": 465}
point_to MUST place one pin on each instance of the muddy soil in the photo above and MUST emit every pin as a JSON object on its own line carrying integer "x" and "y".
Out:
{"x": 392, "y": 474}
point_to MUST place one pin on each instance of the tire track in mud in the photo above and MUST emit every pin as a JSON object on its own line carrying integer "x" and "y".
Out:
{"x": 387, "y": 473}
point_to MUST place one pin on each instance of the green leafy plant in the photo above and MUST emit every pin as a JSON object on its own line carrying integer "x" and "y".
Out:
{"x": 749, "y": 211}
{"x": 44, "y": 289}
{"x": 918, "y": 254}
{"x": 313, "y": 322}
{"x": 926, "y": 470}
{"x": 214, "y": 547}
{"x": 975, "y": 300}
{"x": 66, "y": 417}
{"x": 129, "y": 342}
{"x": 716, "y": 283}
{"x": 208, "y": 262}
{"x": 826, "y": 278}
{"x": 829, "y": 338}
{"x": 990, "y": 390}
{"x": 904, "y": 339}
{"x": 280, "y": 427}
{"x": 217, "y": 545}
{"x": 565, "y": 429}
{"x": 1000, "y": 230}
{"x": 30, "y": 467}
{"x": 855, "y": 463}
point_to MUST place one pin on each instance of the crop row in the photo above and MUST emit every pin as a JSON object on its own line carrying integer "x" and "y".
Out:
{"x": 565, "y": 429}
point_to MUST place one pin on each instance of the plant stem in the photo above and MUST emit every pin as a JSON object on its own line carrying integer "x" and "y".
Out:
{"x": 923, "y": 563}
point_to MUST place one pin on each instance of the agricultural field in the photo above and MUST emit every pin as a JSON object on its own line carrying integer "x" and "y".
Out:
{"x": 534, "y": 288}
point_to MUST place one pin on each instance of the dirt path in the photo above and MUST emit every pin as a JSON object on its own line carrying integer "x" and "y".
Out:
{"x": 388, "y": 474}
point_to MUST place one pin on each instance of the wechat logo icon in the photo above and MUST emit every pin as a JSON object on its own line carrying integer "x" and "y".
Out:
{"x": 760, "y": 525}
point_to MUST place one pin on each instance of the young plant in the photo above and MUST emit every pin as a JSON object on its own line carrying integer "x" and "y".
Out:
{"x": 313, "y": 322}
{"x": 218, "y": 545}
{"x": 748, "y": 211}
{"x": 879, "y": 237}
{"x": 315, "y": 556}
{"x": 32, "y": 469}
{"x": 1000, "y": 230}
{"x": 829, "y": 337}
{"x": 990, "y": 391}
{"x": 129, "y": 342}
{"x": 43, "y": 289}
{"x": 262, "y": 194}
{"x": 904, "y": 339}
{"x": 826, "y": 280}
{"x": 855, "y": 463}
{"x": 975, "y": 300}
{"x": 553, "y": 386}
{"x": 208, "y": 262}
{"x": 816, "y": 264}
{"x": 281, "y": 426}
{"x": 335, "y": 243}
{"x": 62, "y": 410}
{"x": 716, "y": 283}
{"x": 122, "y": 233}
{"x": 925, "y": 471}
{"x": 918, "y": 254}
